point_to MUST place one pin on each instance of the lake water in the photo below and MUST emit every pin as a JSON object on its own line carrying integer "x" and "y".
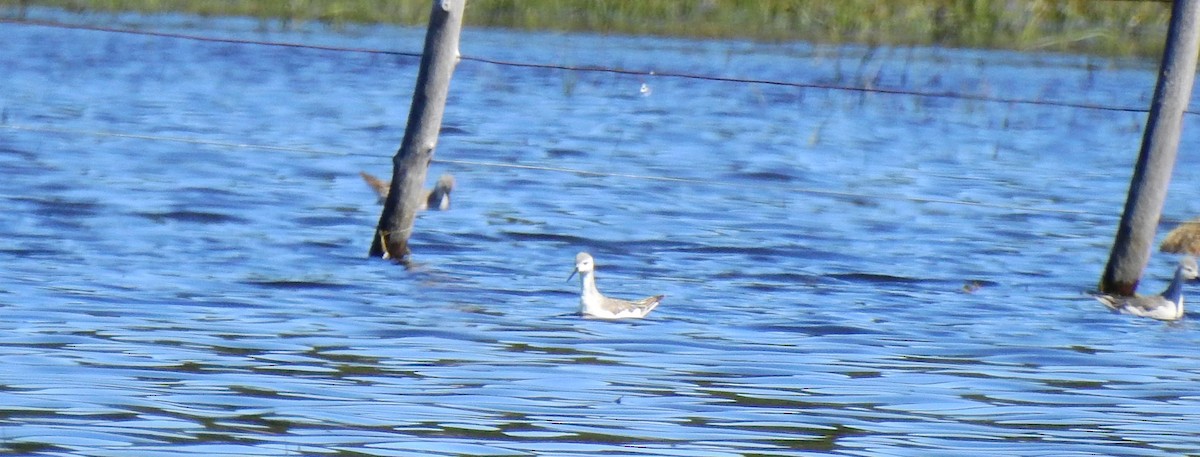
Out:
{"x": 184, "y": 234}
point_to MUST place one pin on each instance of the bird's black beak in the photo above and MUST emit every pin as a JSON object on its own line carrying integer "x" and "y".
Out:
{"x": 576, "y": 270}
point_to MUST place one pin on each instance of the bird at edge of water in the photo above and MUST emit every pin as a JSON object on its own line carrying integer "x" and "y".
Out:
{"x": 594, "y": 304}
{"x": 1167, "y": 306}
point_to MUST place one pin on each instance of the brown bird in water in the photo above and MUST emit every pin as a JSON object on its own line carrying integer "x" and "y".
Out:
{"x": 1184, "y": 239}
{"x": 437, "y": 198}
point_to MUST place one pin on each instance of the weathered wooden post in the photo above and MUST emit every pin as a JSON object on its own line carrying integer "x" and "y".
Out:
{"x": 421, "y": 134}
{"x": 1156, "y": 160}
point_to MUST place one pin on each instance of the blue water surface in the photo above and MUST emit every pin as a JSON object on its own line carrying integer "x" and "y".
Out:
{"x": 184, "y": 235}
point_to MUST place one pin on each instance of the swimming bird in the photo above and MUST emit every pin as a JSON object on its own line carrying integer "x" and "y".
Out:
{"x": 1167, "y": 306}
{"x": 437, "y": 198}
{"x": 594, "y": 304}
{"x": 1183, "y": 239}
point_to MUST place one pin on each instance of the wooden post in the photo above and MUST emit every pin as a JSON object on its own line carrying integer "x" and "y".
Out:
{"x": 1156, "y": 160}
{"x": 411, "y": 162}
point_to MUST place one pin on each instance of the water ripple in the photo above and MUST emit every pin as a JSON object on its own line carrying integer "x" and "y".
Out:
{"x": 168, "y": 298}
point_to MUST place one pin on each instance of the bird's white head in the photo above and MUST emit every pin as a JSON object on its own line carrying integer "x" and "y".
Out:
{"x": 1188, "y": 267}
{"x": 584, "y": 264}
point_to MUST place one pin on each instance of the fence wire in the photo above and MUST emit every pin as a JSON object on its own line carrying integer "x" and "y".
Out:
{"x": 598, "y": 69}
{"x": 572, "y": 68}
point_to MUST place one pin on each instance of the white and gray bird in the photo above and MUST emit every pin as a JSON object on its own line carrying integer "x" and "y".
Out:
{"x": 594, "y": 304}
{"x": 1167, "y": 306}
